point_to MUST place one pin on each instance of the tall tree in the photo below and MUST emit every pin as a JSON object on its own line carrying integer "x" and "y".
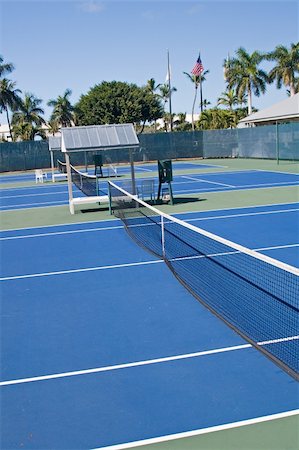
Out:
{"x": 9, "y": 99}
{"x": 63, "y": 111}
{"x": 152, "y": 86}
{"x": 53, "y": 127}
{"x": 29, "y": 111}
{"x": 229, "y": 99}
{"x": 5, "y": 67}
{"x": 243, "y": 74}
{"x": 286, "y": 70}
{"x": 118, "y": 102}
{"x": 27, "y": 131}
{"x": 165, "y": 94}
{"x": 197, "y": 80}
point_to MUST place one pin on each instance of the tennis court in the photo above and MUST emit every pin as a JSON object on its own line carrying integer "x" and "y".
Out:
{"x": 48, "y": 194}
{"x": 102, "y": 347}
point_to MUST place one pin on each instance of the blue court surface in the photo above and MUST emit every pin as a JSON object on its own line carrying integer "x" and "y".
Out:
{"x": 103, "y": 347}
{"x": 50, "y": 194}
{"x": 121, "y": 170}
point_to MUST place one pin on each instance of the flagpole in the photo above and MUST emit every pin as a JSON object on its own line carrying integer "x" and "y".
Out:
{"x": 200, "y": 87}
{"x": 169, "y": 88}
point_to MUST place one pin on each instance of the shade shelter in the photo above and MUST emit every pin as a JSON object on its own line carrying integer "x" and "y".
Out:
{"x": 55, "y": 146}
{"x": 96, "y": 138}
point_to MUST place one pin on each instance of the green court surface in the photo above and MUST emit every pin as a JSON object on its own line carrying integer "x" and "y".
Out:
{"x": 193, "y": 202}
{"x": 277, "y": 434}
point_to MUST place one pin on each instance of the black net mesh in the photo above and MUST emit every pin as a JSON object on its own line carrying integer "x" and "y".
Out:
{"x": 251, "y": 293}
{"x": 88, "y": 184}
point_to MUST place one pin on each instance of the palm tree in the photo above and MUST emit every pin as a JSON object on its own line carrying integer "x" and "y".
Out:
{"x": 29, "y": 111}
{"x": 229, "y": 98}
{"x": 152, "y": 86}
{"x": 53, "y": 127}
{"x": 9, "y": 98}
{"x": 243, "y": 74}
{"x": 287, "y": 65}
{"x": 27, "y": 131}
{"x": 165, "y": 94}
{"x": 63, "y": 111}
{"x": 197, "y": 80}
{"x": 5, "y": 68}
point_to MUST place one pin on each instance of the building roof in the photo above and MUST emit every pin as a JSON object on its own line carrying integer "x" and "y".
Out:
{"x": 285, "y": 110}
{"x": 98, "y": 137}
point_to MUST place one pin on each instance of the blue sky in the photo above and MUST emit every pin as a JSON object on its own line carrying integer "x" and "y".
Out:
{"x": 56, "y": 44}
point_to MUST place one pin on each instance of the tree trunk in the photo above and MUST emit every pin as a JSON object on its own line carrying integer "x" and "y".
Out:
{"x": 8, "y": 122}
{"x": 249, "y": 100}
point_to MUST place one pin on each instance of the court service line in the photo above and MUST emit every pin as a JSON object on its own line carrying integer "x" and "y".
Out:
{"x": 193, "y": 433}
{"x": 147, "y": 362}
{"x": 206, "y": 181}
{"x": 87, "y": 230}
{"x": 134, "y": 264}
{"x": 126, "y": 365}
{"x": 259, "y": 213}
{"x": 32, "y": 205}
{"x": 238, "y": 188}
{"x": 87, "y": 269}
{"x": 70, "y": 224}
{"x": 34, "y": 194}
{"x": 57, "y": 233}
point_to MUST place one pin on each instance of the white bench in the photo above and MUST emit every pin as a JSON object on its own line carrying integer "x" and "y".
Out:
{"x": 86, "y": 200}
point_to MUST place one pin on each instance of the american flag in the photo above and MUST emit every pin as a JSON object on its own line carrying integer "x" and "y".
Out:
{"x": 198, "y": 68}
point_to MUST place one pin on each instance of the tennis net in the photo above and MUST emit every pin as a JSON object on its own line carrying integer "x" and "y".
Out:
{"x": 254, "y": 294}
{"x": 61, "y": 166}
{"x": 88, "y": 184}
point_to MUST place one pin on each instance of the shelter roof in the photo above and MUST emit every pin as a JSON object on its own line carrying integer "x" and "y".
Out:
{"x": 54, "y": 143}
{"x": 98, "y": 137}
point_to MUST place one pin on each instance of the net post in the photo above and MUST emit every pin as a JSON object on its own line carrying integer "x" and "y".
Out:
{"x": 132, "y": 172}
{"x": 162, "y": 237}
{"x": 97, "y": 186}
{"x": 110, "y": 199}
{"x": 277, "y": 144}
{"x": 69, "y": 182}
{"x": 52, "y": 165}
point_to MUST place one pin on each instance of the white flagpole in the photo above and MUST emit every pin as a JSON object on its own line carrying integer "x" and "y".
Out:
{"x": 169, "y": 87}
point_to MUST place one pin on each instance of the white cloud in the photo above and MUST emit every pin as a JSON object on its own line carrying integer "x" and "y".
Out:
{"x": 92, "y": 6}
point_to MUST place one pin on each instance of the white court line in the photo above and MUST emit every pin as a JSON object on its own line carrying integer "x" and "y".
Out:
{"x": 20, "y": 207}
{"x": 277, "y": 171}
{"x": 87, "y": 230}
{"x": 120, "y": 266}
{"x": 238, "y": 189}
{"x": 87, "y": 269}
{"x": 206, "y": 181}
{"x": 125, "y": 365}
{"x": 144, "y": 170}
{"x": 113, "y": 219}
{"x": 147, "y": 362}
{"x": 259, "y": 213}
{"x": 189, "y": 434}
{"x": 57, "y": 233}
{"x": 34, "y": 194}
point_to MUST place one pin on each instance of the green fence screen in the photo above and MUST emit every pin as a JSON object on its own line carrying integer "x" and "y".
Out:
{"x": 279, "y": 142}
